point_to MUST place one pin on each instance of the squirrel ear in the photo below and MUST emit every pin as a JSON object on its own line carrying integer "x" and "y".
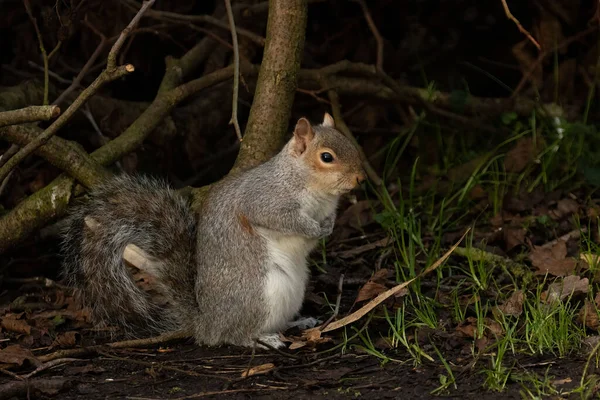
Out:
{"x": 303, "y": 134}
{"x": 328, "y": 121}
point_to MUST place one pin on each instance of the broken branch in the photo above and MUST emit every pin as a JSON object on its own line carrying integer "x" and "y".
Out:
{"x": 28, "y": 114}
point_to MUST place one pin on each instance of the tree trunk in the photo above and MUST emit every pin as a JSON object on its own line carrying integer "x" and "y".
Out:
{"x": 276, "y": 85}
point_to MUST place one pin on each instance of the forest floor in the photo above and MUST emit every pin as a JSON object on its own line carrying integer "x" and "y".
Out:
{"x": 512, "y": 313}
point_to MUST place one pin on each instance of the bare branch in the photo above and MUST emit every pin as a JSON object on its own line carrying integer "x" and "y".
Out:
{"x": 111, "y": 73}
{"x": 236, "y": 71}
{"x": 521, "y": 29}
{"x": 77, "y": 81}
{"x": 105, "y": 76}
{"x": 112, "y": 55}
{"x": 28, "y": 114}
{"x": 375, "y": 31}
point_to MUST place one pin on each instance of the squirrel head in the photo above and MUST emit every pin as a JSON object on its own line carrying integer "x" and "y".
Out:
{"x": 333, "y": 160}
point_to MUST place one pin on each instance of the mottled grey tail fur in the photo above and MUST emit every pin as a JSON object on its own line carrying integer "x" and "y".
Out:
{"x": 141, "y": 211}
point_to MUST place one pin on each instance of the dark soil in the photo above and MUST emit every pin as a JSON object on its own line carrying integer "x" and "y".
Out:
{"x": 341, "y": 376}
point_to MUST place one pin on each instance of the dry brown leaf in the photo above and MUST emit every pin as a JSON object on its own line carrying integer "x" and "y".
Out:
{"x": 12, "y": 324}
{"x": 15, "y": 354}
{"x": 258, "y": 370}
{"x": 374, "y": 286}
{"x": 562, "y": 289}
{"x": 514, "y": 237}
{"x": 66, "y": 340}
{"x": 369, "y": 290}
{"x": 521, "y": 155}
{"x": 468, "y": 327}
{"x": 588, "y": 315}
{"x": 565, "y": 207}
{"x": 309, "y": 337}
{"x": 493, "y": 327}
{"x": 514, "y": 305}
{"x": 552, "y": 260}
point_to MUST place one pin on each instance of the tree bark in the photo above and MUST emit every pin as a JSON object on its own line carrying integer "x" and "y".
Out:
{"x": 276, "y": 86}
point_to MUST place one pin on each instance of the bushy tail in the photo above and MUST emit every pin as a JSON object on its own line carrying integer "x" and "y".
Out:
{"x": 149, "y": 214}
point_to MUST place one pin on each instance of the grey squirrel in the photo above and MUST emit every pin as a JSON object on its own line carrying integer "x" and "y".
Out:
{"x": 232, "y": 273}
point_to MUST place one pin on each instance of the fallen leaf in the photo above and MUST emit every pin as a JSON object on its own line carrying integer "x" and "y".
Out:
{"x": 258, "y": 370}
{"x": 514, "y": 237}
{"x": 588, "y": 315}
{"x": 468, "y": 327}
{"x": 374, "y": 286}
{"x": 552, "y": 260}
{"x": 571, "y": 284}
{"x": 15, "y": 354}
{"x": 65, "y": 340}
{"x": 565, "y": 207}
{"x": 514, "y": 305}
{"x": 369, "y": 290}
{"x": 521, "y": 155}
{"x": 12, "y": 324}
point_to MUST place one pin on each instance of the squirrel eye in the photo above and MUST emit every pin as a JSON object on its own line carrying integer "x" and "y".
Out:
{"x": 326, "y": 157}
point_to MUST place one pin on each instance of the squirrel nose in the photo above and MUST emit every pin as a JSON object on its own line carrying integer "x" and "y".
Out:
{"x": 360, "y": 177}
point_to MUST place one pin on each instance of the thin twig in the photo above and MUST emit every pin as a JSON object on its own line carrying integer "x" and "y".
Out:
{"x": 42, "y": 49}
{"x": 516, "y": 21}
{"x": 112, "y": 56}
{"x": 236, "y": 71}
{"x": 546, "y": 53}
{"x": 77, "y": 81}
{"x": 49, "y": 364}
{"x": 176, "y": 17}
{"x": 166, "y": 337}
{"x": 111, "y": 73}
{"x": 375, "y": 31}
{"x": 165, "y": 367}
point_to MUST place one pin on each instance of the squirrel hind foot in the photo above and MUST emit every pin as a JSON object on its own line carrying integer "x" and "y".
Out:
{"x": 270, "y": 339}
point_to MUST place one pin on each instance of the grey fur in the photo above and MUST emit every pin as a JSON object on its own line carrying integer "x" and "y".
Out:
{"x": 214, "y": 265}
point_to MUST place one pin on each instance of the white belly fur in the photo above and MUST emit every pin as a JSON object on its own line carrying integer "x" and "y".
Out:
{"x": 287, "y": 275}
{"x": 287, "y": 272}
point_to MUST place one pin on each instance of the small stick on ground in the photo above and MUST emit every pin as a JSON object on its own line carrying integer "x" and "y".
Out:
{"x": 165, "y": 337}
{"x": 516, "y": 21}
{"x": 165, "y": 367}
{"x": 337, "y": 303}
{"x": 49, "y": 364}
{"x": 236, "y": 71}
